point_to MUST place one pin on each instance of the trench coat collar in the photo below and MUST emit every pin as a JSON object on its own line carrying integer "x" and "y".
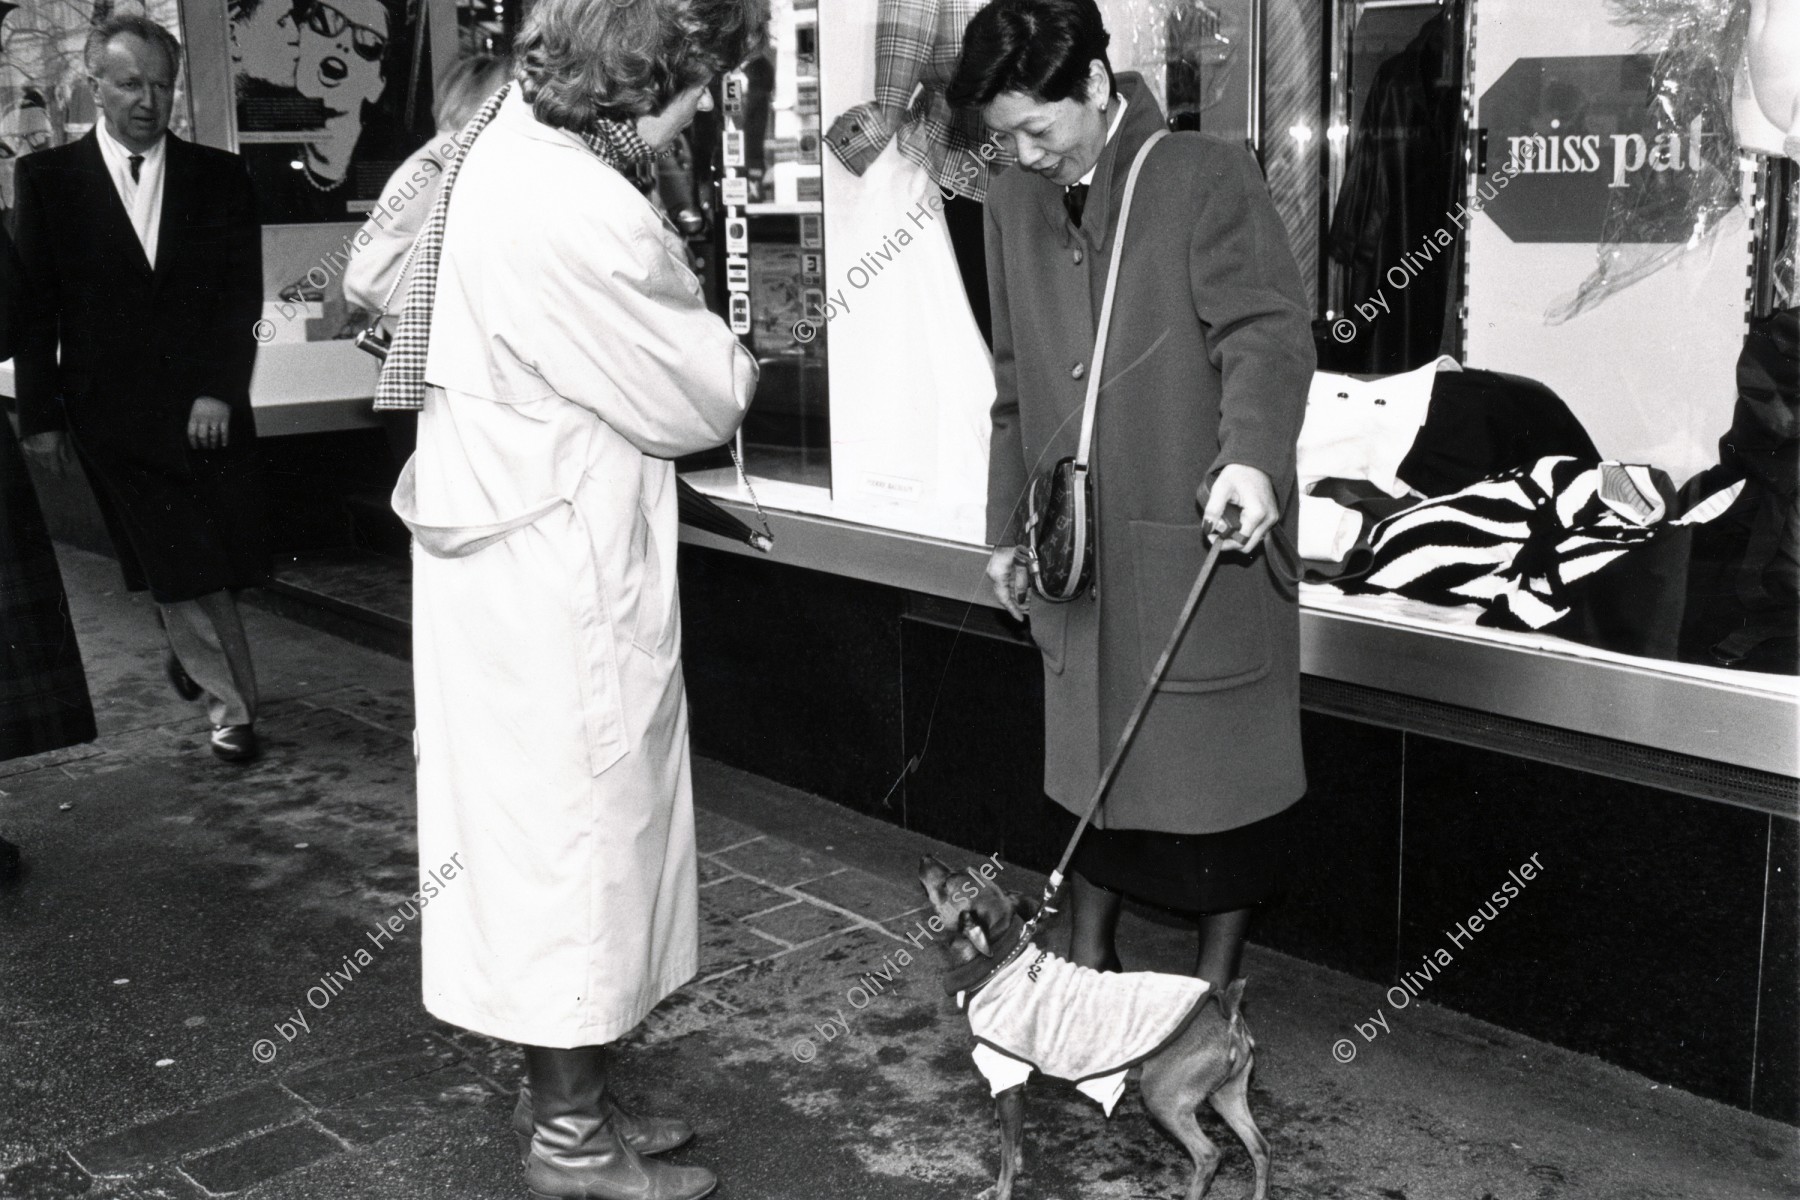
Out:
{"x": 515, "y": 116}
{"x": 1143, "y": 117}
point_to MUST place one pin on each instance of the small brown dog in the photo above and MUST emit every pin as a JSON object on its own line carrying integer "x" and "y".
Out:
{"x": 1191, "y": 1051}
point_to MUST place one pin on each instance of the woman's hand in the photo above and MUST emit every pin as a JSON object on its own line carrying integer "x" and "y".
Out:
{"x": 1007, "y": 573}
{"x": 209, "y": 424}
{"x": 1251, "y": 491}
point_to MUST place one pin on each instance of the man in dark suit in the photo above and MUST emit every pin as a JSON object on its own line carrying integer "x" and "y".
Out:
{"x": 142, "y": 265}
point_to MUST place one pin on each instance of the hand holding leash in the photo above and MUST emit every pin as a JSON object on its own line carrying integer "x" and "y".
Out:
{"x": 1007, "y": 572}
{"x": 1248, "y": 490}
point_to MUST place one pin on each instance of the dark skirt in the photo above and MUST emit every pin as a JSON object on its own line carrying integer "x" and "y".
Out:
{"x": 1193, "y": 872}
{"x": 43, "y": 691}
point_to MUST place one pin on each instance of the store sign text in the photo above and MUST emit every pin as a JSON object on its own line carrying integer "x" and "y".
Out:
{"x": 1537, "y": 154}
{"x": 1578, "y": 135}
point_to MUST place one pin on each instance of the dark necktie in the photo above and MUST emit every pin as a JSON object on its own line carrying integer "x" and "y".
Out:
{"x": 137, "y": 165}
{"x": 1074, "y": 200}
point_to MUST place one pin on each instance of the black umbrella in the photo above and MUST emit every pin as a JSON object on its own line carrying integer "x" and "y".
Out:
{"x": 702, "y": 512}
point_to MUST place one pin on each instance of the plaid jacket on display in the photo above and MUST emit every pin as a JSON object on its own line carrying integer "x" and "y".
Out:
{"x": 916, "y": 46}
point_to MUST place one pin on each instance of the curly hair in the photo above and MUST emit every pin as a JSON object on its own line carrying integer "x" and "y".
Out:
{"x": 583, "y": 60}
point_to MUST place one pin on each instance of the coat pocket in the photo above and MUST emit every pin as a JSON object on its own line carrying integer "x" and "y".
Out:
{"x": 1228, "y": 642}
{"x": 1049, "y": 627}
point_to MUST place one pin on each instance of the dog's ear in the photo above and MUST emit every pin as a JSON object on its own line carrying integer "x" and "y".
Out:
{"x": 1025, "y": 906}
{"x": 970, "y": 927}
{"x": 932, "y": 877}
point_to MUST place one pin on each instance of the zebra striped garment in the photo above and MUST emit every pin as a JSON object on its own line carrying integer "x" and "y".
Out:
{"x": 1515, "y": 543}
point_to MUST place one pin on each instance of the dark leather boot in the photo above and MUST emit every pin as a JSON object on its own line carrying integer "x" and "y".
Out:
{"x": 577, "y": 1149}
{"x": 646, "y": 1135}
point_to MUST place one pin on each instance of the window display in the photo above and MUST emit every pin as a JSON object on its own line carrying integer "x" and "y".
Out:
{"x": 1403, "y": 172}
{"x": 1408, "y": 176}
{"x": 876, "y": 383}
{"x": 763, "y": 144}
{"x": 328, "y": 97}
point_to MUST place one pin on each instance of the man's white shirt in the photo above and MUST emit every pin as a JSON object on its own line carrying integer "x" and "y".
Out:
{"x": 143, "y": 196}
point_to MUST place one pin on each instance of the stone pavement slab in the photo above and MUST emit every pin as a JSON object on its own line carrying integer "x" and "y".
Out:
{"x": 263, "y": 1157}
{"x": 214, "y": 1123}
{"x": 777, "y": 862}
{"x": 800, "y": 922}
{"x": 862, "y": 892}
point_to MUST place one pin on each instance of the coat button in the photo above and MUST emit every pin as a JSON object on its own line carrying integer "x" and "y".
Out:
{"x": 1077, "y": 256}
{"x": 1077, "y": 371}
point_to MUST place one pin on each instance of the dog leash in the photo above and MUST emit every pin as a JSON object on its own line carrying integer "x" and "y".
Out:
{"x": 1054, "y": 886}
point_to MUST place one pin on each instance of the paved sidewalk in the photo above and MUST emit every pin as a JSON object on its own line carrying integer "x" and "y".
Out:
{"x": 183, "y": 1013}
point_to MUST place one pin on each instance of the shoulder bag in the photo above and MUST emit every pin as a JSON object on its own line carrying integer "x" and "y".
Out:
{"x": 1059, "y": 522}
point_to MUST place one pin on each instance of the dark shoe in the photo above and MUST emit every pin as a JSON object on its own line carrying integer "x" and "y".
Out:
{"x": 179, "y": 679}
{"x": 646, "y": 1135}
{"x": 577, "y": 1149}
{"x": 234, "y": 743}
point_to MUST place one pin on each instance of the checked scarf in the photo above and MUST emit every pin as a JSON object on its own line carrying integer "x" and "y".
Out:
{"x": 402, "y": 385}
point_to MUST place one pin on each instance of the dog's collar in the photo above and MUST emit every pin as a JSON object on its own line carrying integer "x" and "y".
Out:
{"x": 972, "y": 976}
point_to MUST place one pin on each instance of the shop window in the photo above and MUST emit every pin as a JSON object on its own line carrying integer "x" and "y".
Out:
{"x": 766, "y": 272}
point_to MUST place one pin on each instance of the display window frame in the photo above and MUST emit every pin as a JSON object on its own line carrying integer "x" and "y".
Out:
{"x": 1377, "y": 642}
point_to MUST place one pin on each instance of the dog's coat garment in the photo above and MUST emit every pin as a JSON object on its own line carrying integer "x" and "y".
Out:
{"x": 1076, "y": 1023}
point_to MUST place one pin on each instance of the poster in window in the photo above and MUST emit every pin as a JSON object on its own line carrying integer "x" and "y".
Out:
{"x": 329, "y": 96}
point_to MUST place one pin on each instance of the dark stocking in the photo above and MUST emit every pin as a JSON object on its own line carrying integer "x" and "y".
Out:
{"x": 1093, "y": 921}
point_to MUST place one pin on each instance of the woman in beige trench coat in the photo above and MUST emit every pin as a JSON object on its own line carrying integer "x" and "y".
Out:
{"x": 571, "y": 356}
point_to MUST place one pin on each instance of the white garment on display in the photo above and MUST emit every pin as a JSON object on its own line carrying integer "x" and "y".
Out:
{"x": 914, "y": 381}
{"x": 1357, "y": 429}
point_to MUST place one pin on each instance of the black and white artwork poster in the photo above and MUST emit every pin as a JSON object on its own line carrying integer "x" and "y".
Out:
{"x": 329, "y": 97}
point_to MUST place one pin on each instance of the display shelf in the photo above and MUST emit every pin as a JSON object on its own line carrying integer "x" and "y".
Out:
{"x": 1741, "y": 719}
{"x": 771, "y": 208}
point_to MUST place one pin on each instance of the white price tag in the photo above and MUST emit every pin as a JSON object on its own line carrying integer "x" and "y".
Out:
{"x": 736, "y": 190}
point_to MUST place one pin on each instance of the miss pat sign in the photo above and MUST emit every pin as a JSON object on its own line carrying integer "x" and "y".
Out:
{"x": 1574, "y": 133}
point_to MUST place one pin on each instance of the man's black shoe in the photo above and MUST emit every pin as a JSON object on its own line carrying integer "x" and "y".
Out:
{"x": 234, "y": 743}
{"x": 184, "y": 685}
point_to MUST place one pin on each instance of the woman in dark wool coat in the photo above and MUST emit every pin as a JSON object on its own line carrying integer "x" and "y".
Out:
{"x": 1203, "y": 390}
{"x": 44, "y": 701}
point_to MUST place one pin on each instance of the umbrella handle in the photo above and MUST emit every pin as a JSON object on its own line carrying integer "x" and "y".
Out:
{"x": 764, "y": 541}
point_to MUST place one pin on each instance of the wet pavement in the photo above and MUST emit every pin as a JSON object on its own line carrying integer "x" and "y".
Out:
{"x": 183, "y": 1012}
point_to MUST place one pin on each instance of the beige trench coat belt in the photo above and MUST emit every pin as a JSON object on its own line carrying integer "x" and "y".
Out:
{"x": 603, "y": 709}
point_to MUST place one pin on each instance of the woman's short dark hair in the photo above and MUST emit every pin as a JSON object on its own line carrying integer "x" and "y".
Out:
{"x": 1041, "y": 48}
{"x": 580, "y": 60}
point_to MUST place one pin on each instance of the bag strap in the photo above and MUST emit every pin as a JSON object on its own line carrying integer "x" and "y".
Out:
{"x": 1106, "y": 304}
{"x": 387, "y": 302}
